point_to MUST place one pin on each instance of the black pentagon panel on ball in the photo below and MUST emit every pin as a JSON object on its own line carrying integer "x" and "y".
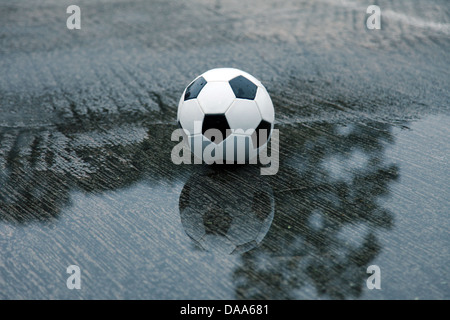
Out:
{"x": 243, "y": 88}
{"x": 218, "y": 122}
{"x": 193, "y": 90}
{"x": 259, "y": 137}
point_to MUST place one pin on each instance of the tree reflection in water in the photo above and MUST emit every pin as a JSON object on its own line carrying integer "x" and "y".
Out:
{"x": 328, "y": 211}
{"x": 327, "y": 195}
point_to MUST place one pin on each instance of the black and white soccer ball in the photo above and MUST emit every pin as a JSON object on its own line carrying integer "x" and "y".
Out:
{"x": 220, "y": 217}
{"x": 229, "y": 110}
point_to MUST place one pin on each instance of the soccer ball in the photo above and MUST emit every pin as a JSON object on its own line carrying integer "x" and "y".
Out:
{"x": 227, "y": 212}
{"x": 227, "y": 116}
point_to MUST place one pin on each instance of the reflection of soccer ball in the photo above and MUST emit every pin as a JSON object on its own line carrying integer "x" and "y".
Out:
{"x": 228, "y": 110}
{"x": 226, "y": 212}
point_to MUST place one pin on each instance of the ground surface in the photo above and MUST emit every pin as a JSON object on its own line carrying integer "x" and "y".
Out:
{"x": 86, "y": 178}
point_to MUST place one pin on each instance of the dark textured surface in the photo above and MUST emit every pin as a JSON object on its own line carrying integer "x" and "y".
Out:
{"x": 86, "y": 177}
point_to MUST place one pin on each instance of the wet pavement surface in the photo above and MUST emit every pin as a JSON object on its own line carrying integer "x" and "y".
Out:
{"x": 86, "y": 176}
